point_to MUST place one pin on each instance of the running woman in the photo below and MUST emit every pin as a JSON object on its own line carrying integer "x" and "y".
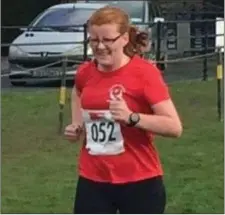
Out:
{"x": 119, "y": 101}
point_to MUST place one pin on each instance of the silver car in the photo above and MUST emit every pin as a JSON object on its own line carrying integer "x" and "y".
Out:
{"x": 36, "y": 55}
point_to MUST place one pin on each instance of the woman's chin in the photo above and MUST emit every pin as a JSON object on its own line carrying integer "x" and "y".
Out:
{"x": 105, "y": 60}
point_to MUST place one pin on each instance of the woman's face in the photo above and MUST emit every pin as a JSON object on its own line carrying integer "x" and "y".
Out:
{"x": 107, "y": 43}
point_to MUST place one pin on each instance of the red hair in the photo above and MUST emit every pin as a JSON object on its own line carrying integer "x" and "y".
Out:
{"x": 114, "y": 15}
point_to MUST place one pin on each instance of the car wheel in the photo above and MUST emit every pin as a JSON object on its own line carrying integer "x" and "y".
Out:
{"x": 18, "y": 84}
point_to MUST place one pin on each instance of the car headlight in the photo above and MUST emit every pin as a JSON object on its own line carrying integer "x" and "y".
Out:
{"x": 15, "y": 51}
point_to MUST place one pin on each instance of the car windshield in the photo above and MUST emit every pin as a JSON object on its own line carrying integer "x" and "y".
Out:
{"x": 56, "y": 19}
{"x": 133, "y": 8}
{"x": 63, "y": 17}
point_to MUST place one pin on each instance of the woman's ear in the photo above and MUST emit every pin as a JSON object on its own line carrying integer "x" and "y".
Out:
{"x": 125, "y": 39}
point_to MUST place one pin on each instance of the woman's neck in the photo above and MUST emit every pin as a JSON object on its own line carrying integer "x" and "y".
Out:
{"x": 118, "y": 64}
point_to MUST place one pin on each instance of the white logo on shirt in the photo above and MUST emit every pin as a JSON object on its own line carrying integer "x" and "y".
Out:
{"x": 116, "y": 92}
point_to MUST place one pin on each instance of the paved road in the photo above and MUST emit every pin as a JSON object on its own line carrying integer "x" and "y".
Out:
{"x": 6, "y": 85}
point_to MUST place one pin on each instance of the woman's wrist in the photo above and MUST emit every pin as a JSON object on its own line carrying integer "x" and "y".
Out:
{"x": 133, "y": 119}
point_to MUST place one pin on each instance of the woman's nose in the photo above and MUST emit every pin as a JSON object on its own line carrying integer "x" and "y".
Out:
{"x": 100, "y": 45}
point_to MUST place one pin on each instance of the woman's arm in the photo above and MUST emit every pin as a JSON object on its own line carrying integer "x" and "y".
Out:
{"x": 76, "y": 108}
{"x": 164, "y": 122}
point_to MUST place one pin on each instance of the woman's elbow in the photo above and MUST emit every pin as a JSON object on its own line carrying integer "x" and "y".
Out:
{"x": 177, "y": 130}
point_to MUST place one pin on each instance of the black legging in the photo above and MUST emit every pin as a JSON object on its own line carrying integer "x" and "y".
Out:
{"x": 143, "y": 197}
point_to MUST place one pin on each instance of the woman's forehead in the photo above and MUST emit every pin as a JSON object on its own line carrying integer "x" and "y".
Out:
{"x": 104, "y": 30}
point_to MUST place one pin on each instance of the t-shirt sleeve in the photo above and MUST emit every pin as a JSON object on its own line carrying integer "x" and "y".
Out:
{"x": 80, "y": 77}
{"x": 155, "y": 88}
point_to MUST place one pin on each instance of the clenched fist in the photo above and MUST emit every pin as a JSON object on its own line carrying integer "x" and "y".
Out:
{"x": 73, "y": 132}
{"x": 119, "y": 110}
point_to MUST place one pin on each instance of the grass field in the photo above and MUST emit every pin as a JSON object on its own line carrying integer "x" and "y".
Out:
{"x": 39, "y": 167}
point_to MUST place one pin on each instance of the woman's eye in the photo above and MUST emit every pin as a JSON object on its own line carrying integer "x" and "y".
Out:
{"x": 93, "y": 40}
{"x": 107, "y": 40}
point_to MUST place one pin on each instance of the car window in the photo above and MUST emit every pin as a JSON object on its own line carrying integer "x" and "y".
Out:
{"x": 64, "y": 17}
{"x": 135, "y": 9}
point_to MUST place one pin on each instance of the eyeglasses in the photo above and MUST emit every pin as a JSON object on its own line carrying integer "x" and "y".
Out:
{"x": 104, "y": 41}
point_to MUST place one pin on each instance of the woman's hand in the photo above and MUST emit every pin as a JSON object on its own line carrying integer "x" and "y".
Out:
{"x": 73, "y": 132}
{"x": 119, "y": 110}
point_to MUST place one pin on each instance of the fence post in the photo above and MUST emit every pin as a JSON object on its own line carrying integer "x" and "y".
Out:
{"x": 158, "y": 43}
{"x": 219, "y": 76}
{"x": 85, "y": 42}
{"x": 205, "y": 59}
{"x": 62, "y": 96}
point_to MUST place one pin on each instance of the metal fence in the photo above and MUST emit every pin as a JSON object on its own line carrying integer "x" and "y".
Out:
{"x": 175, "y": 48}
{"x": 189, "y": 62}
{"x": 181, "y": 62}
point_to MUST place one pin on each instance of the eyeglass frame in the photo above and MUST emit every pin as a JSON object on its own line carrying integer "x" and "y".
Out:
{"x": 112, "y": 40}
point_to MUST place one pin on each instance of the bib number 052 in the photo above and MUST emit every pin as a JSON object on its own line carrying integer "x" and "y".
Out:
{"x": 103, "y": 132}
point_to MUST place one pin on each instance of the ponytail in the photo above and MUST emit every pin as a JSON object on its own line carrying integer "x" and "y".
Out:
{"x": 137, "y": 40}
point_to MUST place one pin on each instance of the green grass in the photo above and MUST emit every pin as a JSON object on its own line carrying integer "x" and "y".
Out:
{"x": 39, "y": 167}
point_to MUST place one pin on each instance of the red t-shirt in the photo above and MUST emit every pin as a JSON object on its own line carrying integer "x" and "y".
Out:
{"x": 142, "y": 87}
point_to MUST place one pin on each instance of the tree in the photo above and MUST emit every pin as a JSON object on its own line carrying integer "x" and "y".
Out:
{"x": 17, "y": 13}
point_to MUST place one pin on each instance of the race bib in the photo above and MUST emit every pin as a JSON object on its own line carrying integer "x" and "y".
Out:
{"x": 104, "y": 137}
